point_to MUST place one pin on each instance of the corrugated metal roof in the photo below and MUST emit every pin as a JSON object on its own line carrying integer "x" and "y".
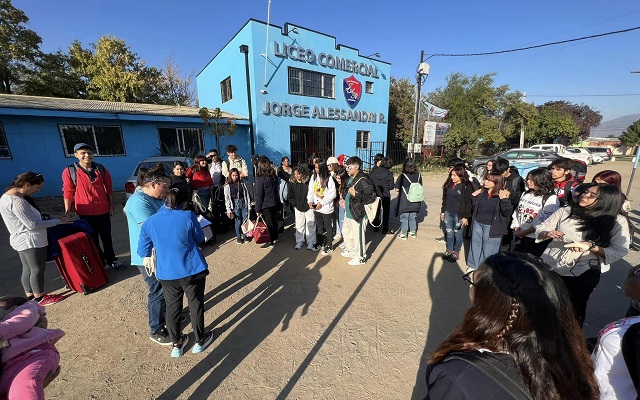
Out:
{"x": 98, "y": 106}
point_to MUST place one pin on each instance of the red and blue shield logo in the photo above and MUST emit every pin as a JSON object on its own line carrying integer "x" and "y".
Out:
{"x": 352, "y": 89}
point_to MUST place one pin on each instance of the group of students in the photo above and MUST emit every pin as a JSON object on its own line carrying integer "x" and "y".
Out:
{"x": 528, "y": 305}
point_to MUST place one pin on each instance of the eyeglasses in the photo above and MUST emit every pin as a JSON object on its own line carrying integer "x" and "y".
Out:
{"x": 350, "y": 167}
{"x": 467, "y": 278}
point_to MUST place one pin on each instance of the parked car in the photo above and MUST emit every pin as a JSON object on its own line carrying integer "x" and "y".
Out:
{"x": 603, "y": 152}
{"x": 579, "y": 153}
{"x": 167, "y": 161}
{"x": 542, "y": 157}
{"x": 554, "y": 147}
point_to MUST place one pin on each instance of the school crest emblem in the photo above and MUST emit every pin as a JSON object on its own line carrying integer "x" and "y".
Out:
{"x": 352, "y": 89}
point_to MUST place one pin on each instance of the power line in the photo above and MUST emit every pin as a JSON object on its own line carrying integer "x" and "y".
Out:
{"x": 536, "y": 46}
{"x": 583, "y": 95}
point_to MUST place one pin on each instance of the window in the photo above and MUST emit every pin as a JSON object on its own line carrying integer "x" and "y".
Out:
{"x": 105, "y": 139}
{"x": 526, "y": 154}
{"x": 306, "y": 140}
{"x": 176, "y": 140}
{"x": 4, "y": 146}
{"x": 368, "y": 87}
{"x": 513, "y": 154}
{"x": 363, "y": 139}
{"x": 311, "y": 83}
{"x": 225, "y": 90}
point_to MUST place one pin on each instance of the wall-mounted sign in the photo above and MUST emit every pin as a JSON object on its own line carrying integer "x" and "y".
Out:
{"x": 298, "y": 53}
{"x": 352, "y": 89}
{"x": 304, "y": 111}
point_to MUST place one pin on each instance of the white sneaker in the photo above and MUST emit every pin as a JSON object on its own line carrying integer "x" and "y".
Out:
{"x": 337, "y": 236}
{"x": 346, "y": 253}
{"x": 356, "y": 261}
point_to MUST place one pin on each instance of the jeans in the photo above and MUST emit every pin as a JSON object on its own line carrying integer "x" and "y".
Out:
{"x": 101, "y": 230}
{"x": 482, "y": 246}
{"x": 193, "y": 287}
{"x": 453, "y": 232}
{"x": 408, "y": 222}
{"x": 270, "y": 215}
{"x": 155, "y": 301}
{"x": 241, "y": 213}
{"x": 340, "y": 221}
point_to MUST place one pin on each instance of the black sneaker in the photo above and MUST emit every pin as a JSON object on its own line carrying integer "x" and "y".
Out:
{"x": 239, "y": 240}
{"x": 161, "y": 337}
{"x": 317, "y": 247}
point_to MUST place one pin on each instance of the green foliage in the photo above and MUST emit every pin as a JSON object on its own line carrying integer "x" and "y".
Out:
{"x": 115, "y": 73}
{"x": 556, "y": 125}
{"x": 582, "y": 115}
{"x": 53, "y": 76}
{"x": 19, "y": 46}
{"x": 631, "y": 136}
{"x": 401, "y": 109}
{"x": 216, "y": 125}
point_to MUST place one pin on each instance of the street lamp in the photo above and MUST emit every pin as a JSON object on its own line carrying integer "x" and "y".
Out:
{"x": 423, "y": 70}
{"x": 244, "y": 49}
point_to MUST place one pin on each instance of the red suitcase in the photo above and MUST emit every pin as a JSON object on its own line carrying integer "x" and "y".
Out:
{"x": 80, "y": 264}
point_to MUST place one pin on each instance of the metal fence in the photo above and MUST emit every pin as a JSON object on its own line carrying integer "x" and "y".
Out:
{"x": 397, "y": 151}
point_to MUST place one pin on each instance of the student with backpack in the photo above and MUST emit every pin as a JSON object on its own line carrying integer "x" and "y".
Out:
{"x": 88, "y": 187}
{"x": 410, "y": 197}
{"x": 564, "y": 183}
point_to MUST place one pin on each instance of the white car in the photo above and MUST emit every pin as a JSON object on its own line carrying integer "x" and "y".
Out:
{"x": 597, "y": 159}
{"x": 579, "y": 153}
{"x": 167, "y": 161}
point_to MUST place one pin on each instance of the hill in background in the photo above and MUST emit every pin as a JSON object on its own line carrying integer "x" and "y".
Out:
{"x": 614, "y": 127}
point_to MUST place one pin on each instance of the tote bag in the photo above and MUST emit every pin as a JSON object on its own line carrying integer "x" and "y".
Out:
{"x": 261, "y": 232}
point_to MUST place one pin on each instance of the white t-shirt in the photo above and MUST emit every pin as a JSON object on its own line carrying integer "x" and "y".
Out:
{"x": 531, "y": 212}
{"x": 610, "y": 369}
{"x": 26, "y": 228}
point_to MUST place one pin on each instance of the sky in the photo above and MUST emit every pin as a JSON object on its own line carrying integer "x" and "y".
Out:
{"x": 596, "y": 72}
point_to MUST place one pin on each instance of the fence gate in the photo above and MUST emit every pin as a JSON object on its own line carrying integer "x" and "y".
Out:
{"x": 306, "y": 140}
{"x": 368, "y": 154}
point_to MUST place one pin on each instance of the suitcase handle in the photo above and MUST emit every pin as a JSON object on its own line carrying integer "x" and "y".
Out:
{"x": 86, "y": 262}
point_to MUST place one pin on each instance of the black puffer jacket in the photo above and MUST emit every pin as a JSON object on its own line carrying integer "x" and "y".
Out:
{"x": 382, "y": 179}
{"x": 365, "y": 194}
{"x": 297, "y": 195}
{"x": 464, "y": 206}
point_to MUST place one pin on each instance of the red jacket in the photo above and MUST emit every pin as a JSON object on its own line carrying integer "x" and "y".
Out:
{"x": 90, "y": 198}
{"x": 199, "y": 179}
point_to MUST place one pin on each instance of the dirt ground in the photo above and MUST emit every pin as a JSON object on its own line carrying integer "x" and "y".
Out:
{"x": 290, "y": 324}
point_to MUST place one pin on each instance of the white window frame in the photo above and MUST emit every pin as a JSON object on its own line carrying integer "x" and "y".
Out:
{"x": 6, "y": 144}
{"x": 226, "y": 93}
{"x": 368, "y": 87}
{"x": 180, "y": 135}
{"x": 363, "y": 139}
{"x": 94, "y": 140}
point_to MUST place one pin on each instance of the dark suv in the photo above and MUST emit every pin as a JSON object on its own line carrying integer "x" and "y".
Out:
{"x": 542, "y": 157}
{"x": 603, "y": 152}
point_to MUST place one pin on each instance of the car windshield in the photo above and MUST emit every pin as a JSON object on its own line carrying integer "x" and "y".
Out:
{"x": 168, "y": 166}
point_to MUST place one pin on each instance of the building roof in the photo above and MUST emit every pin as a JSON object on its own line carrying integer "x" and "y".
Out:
{"x": 99, "y": 106}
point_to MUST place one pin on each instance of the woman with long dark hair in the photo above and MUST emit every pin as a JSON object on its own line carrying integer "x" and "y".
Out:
{"x": 519, "y": 320}
{"x": 236, "y": 199}
{"x": 382, "y": 179}
{"x": 321, "y": 195}
{"x": 28, "y": 233}
{"x": 535, "y": 205}
{"x": 266, "y": 196}
{"x": 179, "y": 179}
{"x": 456, "y": 210}
{"x": 200, "y": 180}
{"x": 585, "y": 235}
{"x": 174, "y": 232}
{"x": 405, "y": 209}
{"x": 491, "y": 211}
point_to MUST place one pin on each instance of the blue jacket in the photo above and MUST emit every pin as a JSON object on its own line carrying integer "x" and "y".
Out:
{"x": 175, "y": 234}
{"x": 138, "y": 208}
{"x": 266, "y": 192}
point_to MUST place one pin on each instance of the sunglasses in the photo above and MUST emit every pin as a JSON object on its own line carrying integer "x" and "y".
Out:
{"x": 467, "y": 278}
{"x": 350, "y": 167}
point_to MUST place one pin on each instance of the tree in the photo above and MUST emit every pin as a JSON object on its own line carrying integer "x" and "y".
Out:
{"x": 19, "y": 46}
{"x": 556, "y": 126}
{"x": 401, "y": 109}
{"x": 53, "y": 76}
{"x": 213, "y": 122}
{"x": 176, "y": 90}
{"x": 582, "y": 115}
{"x": 114, "y": 73}
{"x": 631, "y": 136}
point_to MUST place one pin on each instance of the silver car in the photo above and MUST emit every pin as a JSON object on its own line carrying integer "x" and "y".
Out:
{"x": 167, "y": 161}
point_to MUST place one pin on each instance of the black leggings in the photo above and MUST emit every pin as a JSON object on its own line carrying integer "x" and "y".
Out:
{"x": 270, "y": 215}
{"x": 324, "y": 223}
{"x": 580, "y": 288}
{"x": 33, "y": 265}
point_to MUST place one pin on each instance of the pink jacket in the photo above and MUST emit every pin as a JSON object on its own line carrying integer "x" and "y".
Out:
{"x": 20, "y": 330}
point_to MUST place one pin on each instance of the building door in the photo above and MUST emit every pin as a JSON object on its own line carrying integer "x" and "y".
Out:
{"x": 306, "y": 140}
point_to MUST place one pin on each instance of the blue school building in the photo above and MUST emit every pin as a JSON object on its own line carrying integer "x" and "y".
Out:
{"x": 302, "y": 92}
{"x": 38, "y": 134}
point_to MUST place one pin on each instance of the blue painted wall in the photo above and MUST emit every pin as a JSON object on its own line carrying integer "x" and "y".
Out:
{"x": 272, "y": 133}
{"x": 35, "y": 143}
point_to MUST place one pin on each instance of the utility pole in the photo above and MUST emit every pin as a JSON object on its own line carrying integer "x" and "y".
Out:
{"x": 524, "y": 99}
{"x": 423, "y": 69}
